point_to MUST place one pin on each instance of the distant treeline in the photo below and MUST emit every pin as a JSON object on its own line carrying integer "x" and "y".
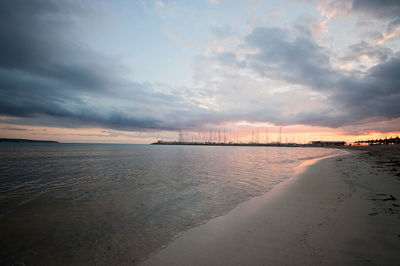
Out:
{"x": 395, "y": 140}
{"x": 27, "y": 140}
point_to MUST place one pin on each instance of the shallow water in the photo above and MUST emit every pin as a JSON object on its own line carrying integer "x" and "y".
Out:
{"x": 84, "y": 204}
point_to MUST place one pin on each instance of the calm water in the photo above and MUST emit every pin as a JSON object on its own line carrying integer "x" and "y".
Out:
{"x": 86, "y": 204}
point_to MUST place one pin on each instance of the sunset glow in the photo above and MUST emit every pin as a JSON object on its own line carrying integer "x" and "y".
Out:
{"x": 139, "y": 71}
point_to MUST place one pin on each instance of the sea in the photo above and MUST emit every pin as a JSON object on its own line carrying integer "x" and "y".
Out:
{"x": 116, "y": 204}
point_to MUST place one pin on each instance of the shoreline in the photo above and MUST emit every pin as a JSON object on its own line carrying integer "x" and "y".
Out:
{"x": 336, "y": 212}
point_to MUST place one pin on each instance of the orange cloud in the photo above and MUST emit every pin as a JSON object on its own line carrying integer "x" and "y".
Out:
{"x": 389, "y": 36}
{"x": 160, "y": 3}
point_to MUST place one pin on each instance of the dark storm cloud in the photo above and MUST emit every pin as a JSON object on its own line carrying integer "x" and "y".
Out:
{"x": 30, "y": 31}
{"x": 378, "y": 8}
{"x": 351, "y": 96}
{"x": 375, "y": 52}
{"x": 298, "y": 60}
{"x": 387, "y": 11}
{"x": 52, "y": 80}
{"x": 48, "y": 79}
{"x": 33, "y": 41}
{"x": 140, "y": 108}
{"x": 393, "y": 25}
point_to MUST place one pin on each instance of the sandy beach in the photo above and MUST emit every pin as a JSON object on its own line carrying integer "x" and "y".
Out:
{"x": 341, "y": 210}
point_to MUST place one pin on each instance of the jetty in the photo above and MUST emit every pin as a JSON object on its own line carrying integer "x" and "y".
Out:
{"x": 273, "y": 144}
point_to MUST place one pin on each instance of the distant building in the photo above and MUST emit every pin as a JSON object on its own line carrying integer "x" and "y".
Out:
{"x": 328, "y": 143}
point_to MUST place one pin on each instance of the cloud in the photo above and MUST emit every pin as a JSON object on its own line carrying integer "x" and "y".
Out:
{"x": 275, "y": 74}
{"x": 297, "y": 59}
{"x": 213, "y": 1}
{"x": 293, "y": 57}
{"x": 379, "y": 18}
{"x": 222, "y": 32}
{"x": 374, "y": 8}
{"x": 229, "y": 58}
{"x": 358, "y": 52}
{"x": 376, "y": 124}
{"x": 377, "y": 8}
{"x": 387, "y": 11}
{"x": 392, "y": 31}
{"x": 160, "y": 3}
{"x": 29, "y": 32}
{"x": 49, "y": 79}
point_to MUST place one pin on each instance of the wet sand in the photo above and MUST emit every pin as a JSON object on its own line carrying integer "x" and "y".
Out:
{"x": 339, "y": 211}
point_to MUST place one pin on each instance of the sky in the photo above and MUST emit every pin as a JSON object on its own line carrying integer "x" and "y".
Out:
{"x": 137, "y": 71}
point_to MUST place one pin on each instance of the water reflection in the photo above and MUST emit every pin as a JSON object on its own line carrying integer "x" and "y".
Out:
{"x": 115, "y": 204}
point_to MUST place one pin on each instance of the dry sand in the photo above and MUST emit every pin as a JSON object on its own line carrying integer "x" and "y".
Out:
{"x": 340, "y": 211}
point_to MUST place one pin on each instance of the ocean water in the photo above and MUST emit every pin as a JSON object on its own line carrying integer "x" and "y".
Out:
{"x": 92, "y": 204}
